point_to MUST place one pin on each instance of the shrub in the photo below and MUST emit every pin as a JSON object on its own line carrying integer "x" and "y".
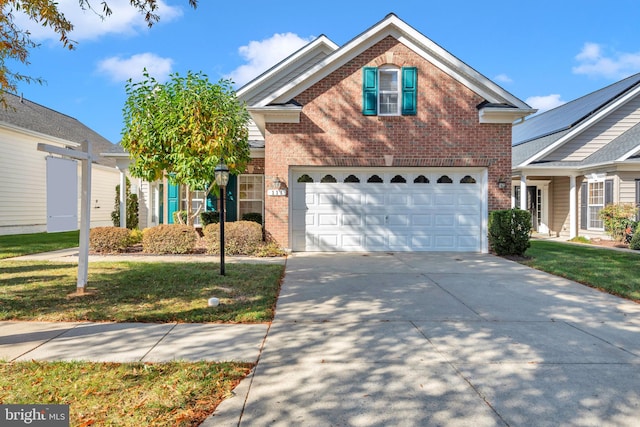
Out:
{"x": 240, "y": 237}
{"x": 132, "y": 208}
{"x": 635, "y": 241}
{"x": 135, "y": 236}
{"x": 269, "y": 249}
{"x": 209, "y": 217}
{"x": 169, "y": 239}
{"x": 253, "y": 216}
{"x": 180, "y": 217}
{"x": 509, "y": 231}
{"x": 109, "y": 239}
{"x": 617, "y": 217}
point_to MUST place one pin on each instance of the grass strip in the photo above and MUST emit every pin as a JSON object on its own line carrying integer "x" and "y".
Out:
{"x": 615, "y": 272}
{"x": 25, "y": 244}
{"x": 127, "y": 394}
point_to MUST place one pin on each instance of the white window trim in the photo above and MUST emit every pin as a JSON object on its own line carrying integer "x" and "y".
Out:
{"x": 594, "y": 180}
{"x": 261, "y": 200}
{"x": 398, "y": 90}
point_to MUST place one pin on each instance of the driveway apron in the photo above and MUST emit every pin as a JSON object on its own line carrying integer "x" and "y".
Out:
{"x": 446, "y": 339}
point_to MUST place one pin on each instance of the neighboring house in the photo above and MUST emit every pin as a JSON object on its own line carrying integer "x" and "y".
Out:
{"x": 40, "y": 191}
{"x": 387, "y": 143}
{"x": 575, "y": 159}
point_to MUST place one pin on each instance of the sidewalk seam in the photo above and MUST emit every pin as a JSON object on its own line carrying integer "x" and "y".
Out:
{"x": 158, "y": 342}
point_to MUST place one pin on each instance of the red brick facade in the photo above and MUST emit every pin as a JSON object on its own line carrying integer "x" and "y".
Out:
{"x": 333, "y": 131}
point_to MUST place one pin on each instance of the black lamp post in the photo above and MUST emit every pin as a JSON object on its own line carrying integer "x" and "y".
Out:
{"x": 222, "y": 179}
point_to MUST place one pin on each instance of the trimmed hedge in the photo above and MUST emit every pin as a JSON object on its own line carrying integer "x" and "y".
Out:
{"x": 635, "y": 240}
{"x": 253, "y": 216}
{"x": 109, "y": 239}
{"x": 209, "y": 217}
{"x": 169, "y": 239}
{"x": 240, "y": 237}
{"x": 509, "y": 231}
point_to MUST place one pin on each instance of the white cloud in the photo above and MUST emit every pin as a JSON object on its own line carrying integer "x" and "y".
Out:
{"x": 595, "y": 61}
{"x": 262, "y": 55}
{"x": 121, "y": 69}
{"x": 88, "y": 25}
{"x": 503, "y": 78}
{"x": 544, "y": 103}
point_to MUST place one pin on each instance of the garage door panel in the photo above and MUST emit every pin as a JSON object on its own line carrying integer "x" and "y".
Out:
{"x": 444, "y": 220}
{"x": 373, "y": 220}
{"x": 398, "y": 220}
{"x": 411, "y": 216}
{"x": 327, "y": 219}
{"x": 328, "y": 199}
{"x": 351, "y": 220}
{"x": 375, "y": 242}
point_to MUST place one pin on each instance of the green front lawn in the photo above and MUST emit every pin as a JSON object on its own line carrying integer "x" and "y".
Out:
{"x": 139, "y": 292}
{"x": 25, "y": 244}
{"x": 616, "y": 272}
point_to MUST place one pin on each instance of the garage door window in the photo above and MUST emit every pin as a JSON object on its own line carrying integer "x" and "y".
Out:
{"x": 352, "y": 179}
{"x": 468, "y": 180}
{"x": 421, "y": 179}
{"x": 444, "y": 179}
{"x": 375, "y": 179}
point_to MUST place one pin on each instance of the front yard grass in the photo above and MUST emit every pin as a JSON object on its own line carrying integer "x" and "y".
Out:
{"x": 615, "y": 272}
{"x": 25, "y": 244}
{"x": 139, "y": 292}
{"x": 128, "y": 394}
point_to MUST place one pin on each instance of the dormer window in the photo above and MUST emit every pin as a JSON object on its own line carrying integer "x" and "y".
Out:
{"x": 389, "y": 91}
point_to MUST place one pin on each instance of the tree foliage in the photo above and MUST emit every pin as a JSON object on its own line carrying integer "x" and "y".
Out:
{"x": 183, "y": 128}
{"x": 15, "y": 43}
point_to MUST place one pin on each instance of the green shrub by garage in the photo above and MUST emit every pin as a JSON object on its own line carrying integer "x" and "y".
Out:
{"x": 509, "y": 231}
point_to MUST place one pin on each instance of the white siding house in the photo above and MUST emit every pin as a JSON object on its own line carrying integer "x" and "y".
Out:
{"x": 23, "y": 195}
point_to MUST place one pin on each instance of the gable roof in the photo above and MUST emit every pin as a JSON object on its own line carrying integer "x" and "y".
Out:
{"x": 276, "y": 99}
{"x": 538, "y": 136}
{"x": 24, "y": 115}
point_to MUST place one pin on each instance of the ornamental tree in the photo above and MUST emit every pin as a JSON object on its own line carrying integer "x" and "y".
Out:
{"x": 182, "y": 129}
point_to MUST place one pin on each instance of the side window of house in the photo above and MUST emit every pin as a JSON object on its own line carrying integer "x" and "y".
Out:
{"x": 389, "y": 91}
{"x": 594, "y": 195}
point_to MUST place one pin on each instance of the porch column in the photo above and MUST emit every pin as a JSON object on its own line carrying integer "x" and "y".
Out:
{"x": 523, "y": 192}
{"x": 573, "y": 203}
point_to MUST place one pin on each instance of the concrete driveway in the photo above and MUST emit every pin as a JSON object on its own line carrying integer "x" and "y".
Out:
{"x": 422, "y": 339}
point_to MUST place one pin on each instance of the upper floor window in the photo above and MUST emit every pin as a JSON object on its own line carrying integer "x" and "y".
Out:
{"x": 389, "y": 91}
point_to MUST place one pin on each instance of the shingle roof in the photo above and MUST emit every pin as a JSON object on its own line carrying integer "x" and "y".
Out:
{"x": 22, "y": 113}
{"x": 571, "y": 113}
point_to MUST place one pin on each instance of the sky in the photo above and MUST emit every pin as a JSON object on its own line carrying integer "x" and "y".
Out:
{"x": 544, "y": 52}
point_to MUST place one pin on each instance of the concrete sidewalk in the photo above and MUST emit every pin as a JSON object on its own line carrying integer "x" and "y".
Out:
{"x": 421, "y": 339}
{"x": 130, "y": 342}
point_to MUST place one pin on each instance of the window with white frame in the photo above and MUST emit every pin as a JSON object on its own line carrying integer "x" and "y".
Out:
{"x": 595, "y": 204}
{"x": 250, "y": 194}
{"x": 197, "y": 201}
{"x": 389, "y": 92}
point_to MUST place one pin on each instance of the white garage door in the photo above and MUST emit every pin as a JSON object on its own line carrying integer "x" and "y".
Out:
{"x": 388, "y": 209}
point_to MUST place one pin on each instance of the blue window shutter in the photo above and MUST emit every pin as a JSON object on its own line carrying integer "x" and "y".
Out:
{"x": 369, "y": 91}
{"x": 409, "y": 91}
{"x": 173, "y": 201}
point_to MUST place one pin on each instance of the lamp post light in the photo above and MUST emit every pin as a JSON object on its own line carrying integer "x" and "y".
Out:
{"x": 222, "y": 179}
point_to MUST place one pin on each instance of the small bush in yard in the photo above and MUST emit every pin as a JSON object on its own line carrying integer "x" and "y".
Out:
{"x": 635, "y": 240}
{"x": 617, "y": 217}
{"x": 253, "y": 216}
{"x": 240, "y": 237}
{"x": 135, "y": 236}
{"x": 109, "y": 239}
{"x": 209, "y": 217}
{"x": 169, "y": 239}
{"x": 509, "y": 231}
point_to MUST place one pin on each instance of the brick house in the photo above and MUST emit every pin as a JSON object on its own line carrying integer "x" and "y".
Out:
{"x": 387, "y": 143}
